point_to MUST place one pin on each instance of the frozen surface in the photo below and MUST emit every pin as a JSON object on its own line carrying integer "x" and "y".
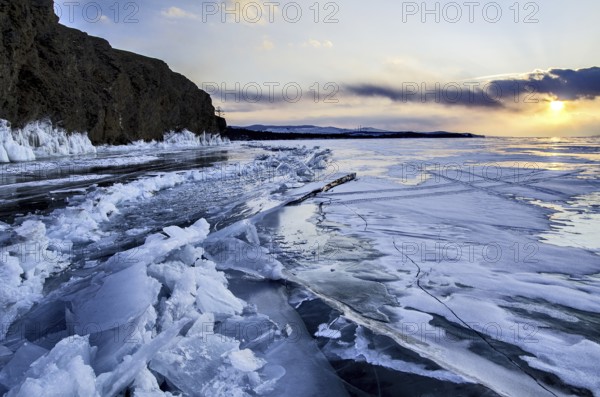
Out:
{"x": 496, "y": 239}
{"x": 449, "y": 267}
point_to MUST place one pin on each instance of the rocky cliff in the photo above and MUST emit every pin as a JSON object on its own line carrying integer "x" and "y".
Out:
{"x": 81, "y": 83}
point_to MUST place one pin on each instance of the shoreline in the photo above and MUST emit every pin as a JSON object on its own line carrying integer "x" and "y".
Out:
{"x": 242, "y": 134}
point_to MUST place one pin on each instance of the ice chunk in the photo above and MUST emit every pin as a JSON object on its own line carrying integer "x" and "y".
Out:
{"x": 12, "y": 373}
{"x": 325, "y": 332}
{"x": 245, "y": 360}
{"x": 64, "y": 371}
{"x": 126, "y": 372}
{"x": 193, "y": 361}
{"x": 251, "y": 233}
{"x": 115, "y": 299}
{"x": 205, "y": 363}
{"x": 201, "y": 285}
{"x": 146, "y": 385}
{"x": 234, "y": 253}
{"x": 5, "y": 354}
{"x": 158, "y": 246}
{"x": 213, "y": 296}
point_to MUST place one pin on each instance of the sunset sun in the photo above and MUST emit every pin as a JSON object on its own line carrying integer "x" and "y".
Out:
{"x": 557, "y": 106}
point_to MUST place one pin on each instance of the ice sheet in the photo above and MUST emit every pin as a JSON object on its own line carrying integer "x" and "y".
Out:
{"x": 469, "y": 270}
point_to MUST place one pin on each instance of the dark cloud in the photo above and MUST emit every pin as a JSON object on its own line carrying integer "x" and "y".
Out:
{"x": 563, "y": 84}
{"x": 464, "y": 94}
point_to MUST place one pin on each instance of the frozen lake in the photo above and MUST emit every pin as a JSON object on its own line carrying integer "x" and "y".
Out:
{"x": 448, "y": 267}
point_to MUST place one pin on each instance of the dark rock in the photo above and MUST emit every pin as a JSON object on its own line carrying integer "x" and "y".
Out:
{"x": 80, "y": 83}
{"x": 221, "y": 124}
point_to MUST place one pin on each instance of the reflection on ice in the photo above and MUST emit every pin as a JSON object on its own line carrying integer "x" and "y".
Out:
{"x": 575, "y": 223}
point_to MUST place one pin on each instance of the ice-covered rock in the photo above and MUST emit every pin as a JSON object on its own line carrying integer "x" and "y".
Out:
{"x": 187, "y": 138}
{"x": 171, "y": 140}
{"x": 45, "y": 140}
{"x": 10, "y": 150}
{"x": 40, "y": 139}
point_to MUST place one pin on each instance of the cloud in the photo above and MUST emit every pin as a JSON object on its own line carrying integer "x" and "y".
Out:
{"x": 318, "y": 44}
{"x": 563, "y": 84}
{"x": 463, "y": 94}
{"x": 534, "y": 87}
{"x": 267, "y": 44}
{"x": 178, "y": 13}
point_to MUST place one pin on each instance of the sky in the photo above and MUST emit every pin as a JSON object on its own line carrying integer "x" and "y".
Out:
{"x": 503, "y": 68}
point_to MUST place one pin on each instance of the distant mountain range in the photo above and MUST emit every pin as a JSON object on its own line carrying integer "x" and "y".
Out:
{"x": 287, "y": 132}
{"x": 309, "y": 129}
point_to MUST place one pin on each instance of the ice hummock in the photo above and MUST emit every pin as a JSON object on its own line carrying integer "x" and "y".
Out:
{"x": 150, "y": 319}
{"x": 153, "y": 313}
{"x": 25, "y": 265}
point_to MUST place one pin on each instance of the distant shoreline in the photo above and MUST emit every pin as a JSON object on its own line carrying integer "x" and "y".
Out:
{"x": 242, "y": 134}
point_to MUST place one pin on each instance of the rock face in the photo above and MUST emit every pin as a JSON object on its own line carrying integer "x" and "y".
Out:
{"x": 80, "y": 83}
